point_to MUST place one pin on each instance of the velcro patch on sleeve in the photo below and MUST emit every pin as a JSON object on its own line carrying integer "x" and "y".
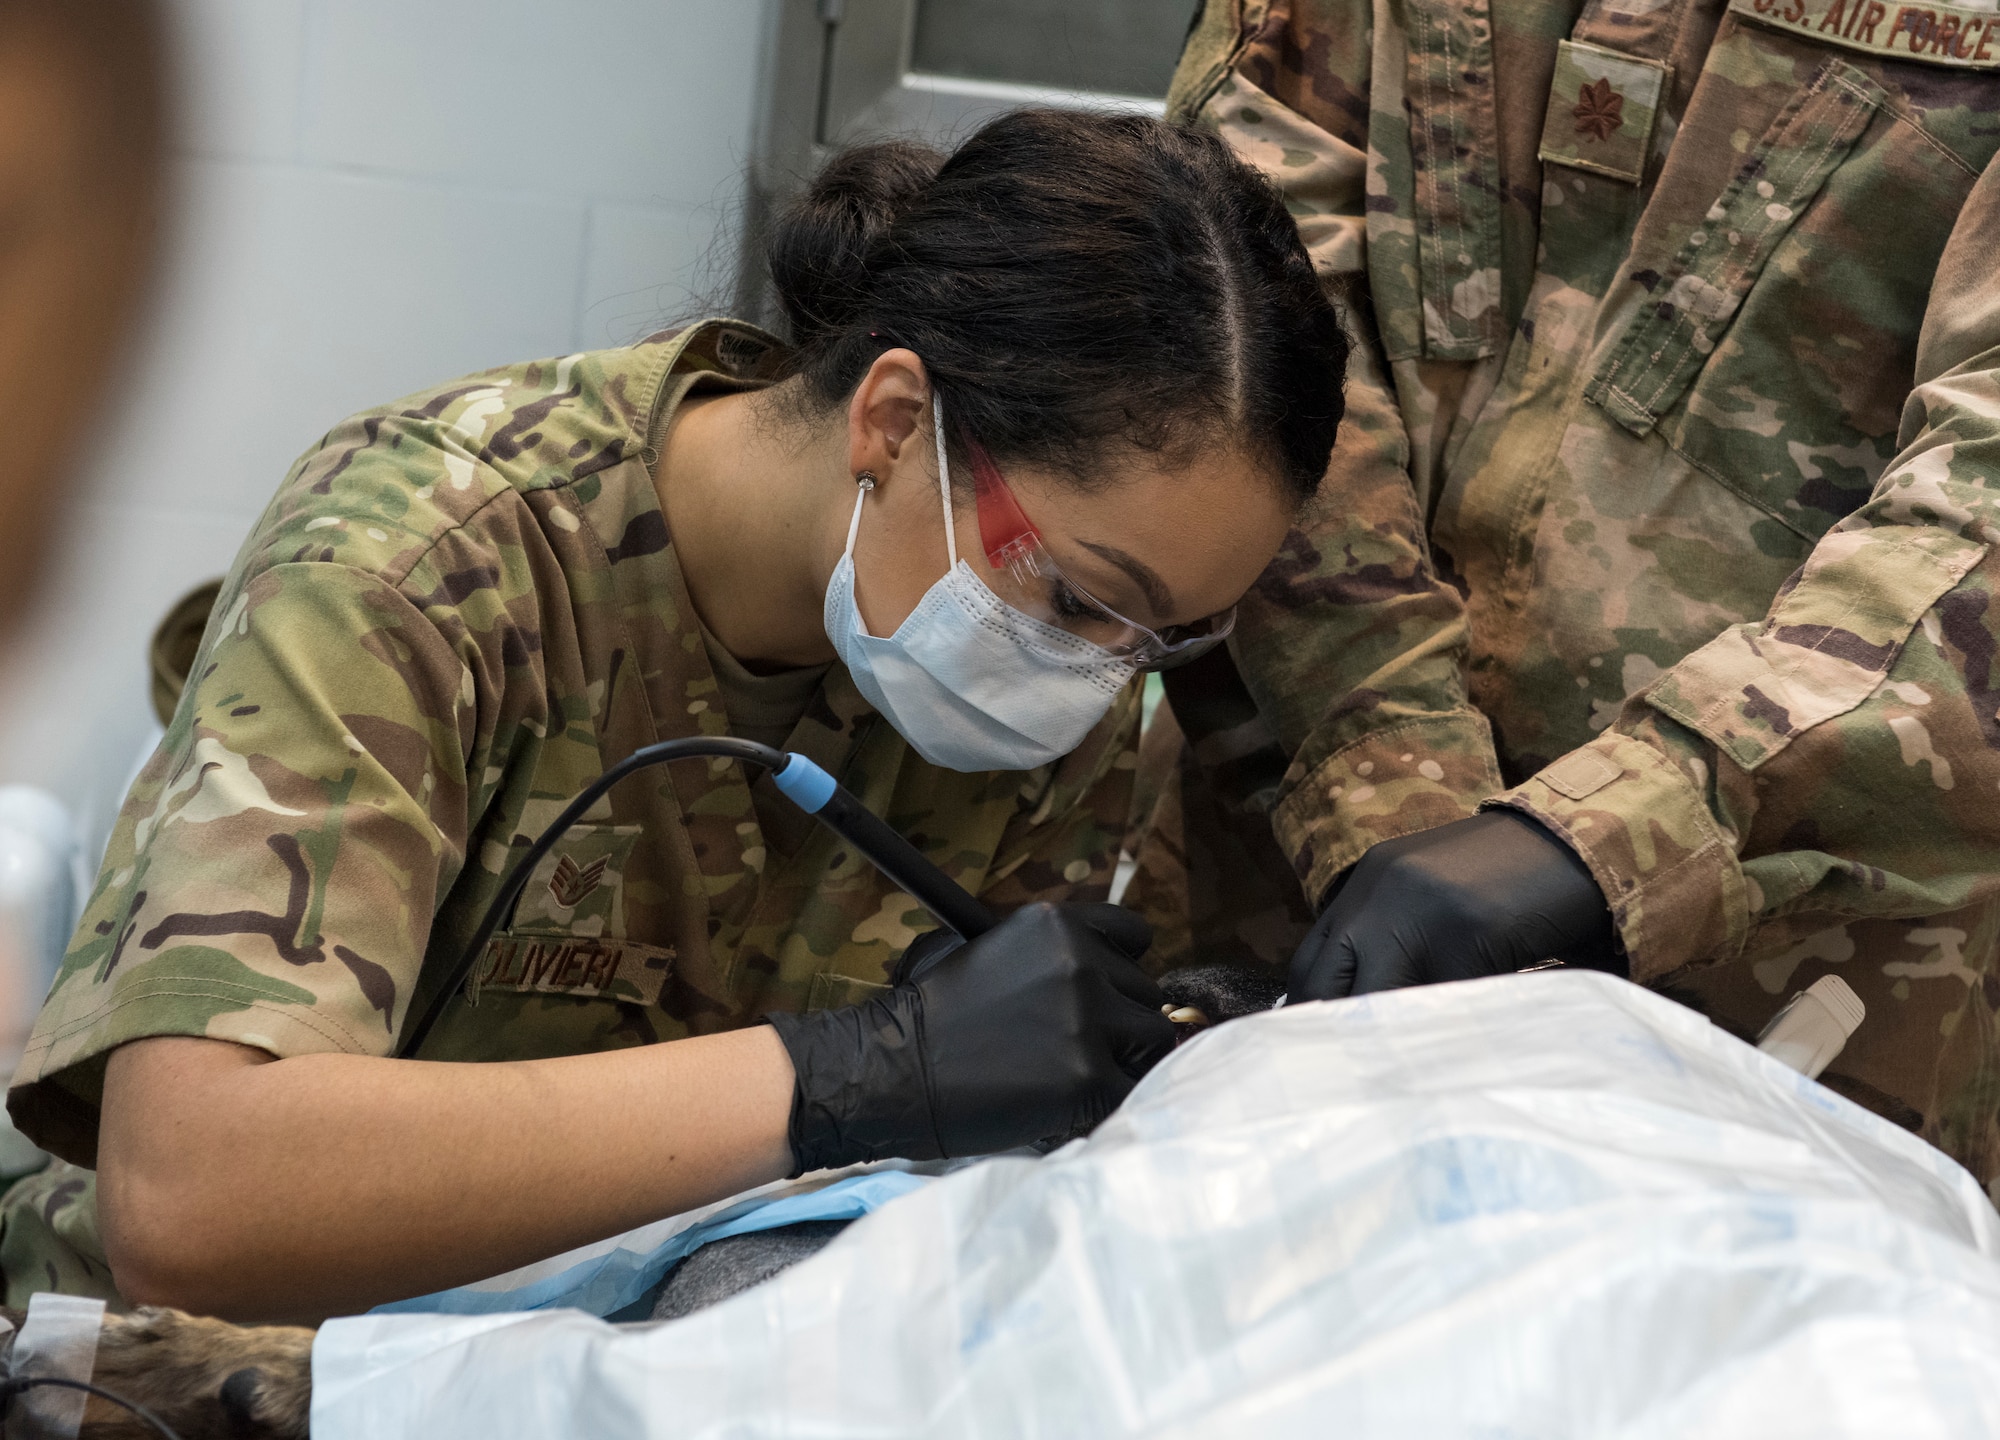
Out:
{"x": 1581, "y": 773}
{"x": 1954, "y": 35}
{"x": 1827, "y": 645}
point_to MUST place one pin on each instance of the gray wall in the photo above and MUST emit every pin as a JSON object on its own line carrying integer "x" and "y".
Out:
{"x": 378, "y": 195}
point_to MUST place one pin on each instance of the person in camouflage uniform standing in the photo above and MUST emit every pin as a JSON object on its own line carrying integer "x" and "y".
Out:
{"x": 462, "y": 608}
{"x": 1662, "y": 523}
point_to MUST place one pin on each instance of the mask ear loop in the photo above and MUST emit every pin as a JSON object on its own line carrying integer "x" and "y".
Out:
{"x": 944, "y": 478}
{"x": 863, "y": 483}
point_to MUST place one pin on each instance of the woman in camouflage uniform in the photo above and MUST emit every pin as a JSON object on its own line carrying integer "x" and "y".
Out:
{"x": 463, "y": 607}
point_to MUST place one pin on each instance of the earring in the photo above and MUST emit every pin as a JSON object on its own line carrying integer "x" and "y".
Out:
{"x": 866, "y": 480}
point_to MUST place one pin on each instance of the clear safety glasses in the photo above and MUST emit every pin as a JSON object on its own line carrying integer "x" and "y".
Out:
{"x": 1028, "y": 578}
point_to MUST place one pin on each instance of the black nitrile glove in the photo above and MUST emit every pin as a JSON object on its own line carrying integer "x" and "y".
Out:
{"x": 1035, "y": 1030}
{"x": 1484, "y": 896}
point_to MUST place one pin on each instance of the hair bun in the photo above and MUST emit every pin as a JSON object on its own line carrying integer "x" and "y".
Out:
{"x": 822, "y": 242}
{"x": 1078, "y": 284}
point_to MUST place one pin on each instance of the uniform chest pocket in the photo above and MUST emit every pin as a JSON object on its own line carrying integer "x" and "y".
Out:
{"x": 1778, "y": 347}
{"x": 1669, "y": 341}
{"x": 1760, "y": 352}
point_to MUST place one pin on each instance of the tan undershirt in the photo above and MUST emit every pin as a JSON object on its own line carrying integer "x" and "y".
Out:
{"x": 764, "y": 708}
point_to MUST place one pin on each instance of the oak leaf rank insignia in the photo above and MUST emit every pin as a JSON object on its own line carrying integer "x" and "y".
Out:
{"x": 1599, "y": 110}
{"x": 1603, "y": 107}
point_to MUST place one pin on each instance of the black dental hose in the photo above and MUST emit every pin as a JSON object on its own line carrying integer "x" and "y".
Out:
{"x": 803, "y": 783}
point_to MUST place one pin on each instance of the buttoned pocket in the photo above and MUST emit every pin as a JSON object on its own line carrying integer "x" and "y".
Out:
{"x": 1775, "y": 351}
{"x": 1670, "y": 339}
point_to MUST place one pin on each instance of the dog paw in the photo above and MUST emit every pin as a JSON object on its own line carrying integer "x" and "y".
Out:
{"x": 208, "y": 1379}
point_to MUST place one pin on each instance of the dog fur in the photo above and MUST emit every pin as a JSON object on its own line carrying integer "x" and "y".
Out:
{"x": 208, "y": 1379}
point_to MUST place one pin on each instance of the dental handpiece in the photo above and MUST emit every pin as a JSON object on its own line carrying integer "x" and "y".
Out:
{"x": 800, "y": 780}
{"x": 822, "y": 797}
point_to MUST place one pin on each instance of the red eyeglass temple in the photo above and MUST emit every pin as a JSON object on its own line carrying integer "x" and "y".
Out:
{"x": 1005, "y": 532}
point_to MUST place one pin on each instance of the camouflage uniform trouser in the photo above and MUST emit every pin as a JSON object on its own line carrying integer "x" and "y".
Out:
{"x": 1928, "y": 1055}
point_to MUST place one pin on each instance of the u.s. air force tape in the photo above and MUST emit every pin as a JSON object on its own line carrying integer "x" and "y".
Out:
{"x": 1954, "y": 35}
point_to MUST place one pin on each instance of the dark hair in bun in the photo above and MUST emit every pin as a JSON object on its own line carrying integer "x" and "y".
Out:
{"x": 1073, "y": 281}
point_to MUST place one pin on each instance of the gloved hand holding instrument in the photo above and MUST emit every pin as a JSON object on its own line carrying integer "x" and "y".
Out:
{"x": 1033, "y": 1031}
{"x": 1488, "y": 895}
{"x": 997, "y": 1033}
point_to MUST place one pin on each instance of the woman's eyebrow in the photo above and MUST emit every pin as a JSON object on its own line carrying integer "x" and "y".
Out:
{"x": 1143, "y": 575}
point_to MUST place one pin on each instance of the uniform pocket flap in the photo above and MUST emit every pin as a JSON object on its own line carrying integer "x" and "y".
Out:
{"x": 1666, "y": 343}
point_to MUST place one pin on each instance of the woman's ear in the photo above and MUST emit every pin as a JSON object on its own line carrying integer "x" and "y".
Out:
{"x": 886, "y": 412}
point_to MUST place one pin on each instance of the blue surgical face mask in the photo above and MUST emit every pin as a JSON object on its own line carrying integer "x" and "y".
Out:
{"x": 969, "y": 680}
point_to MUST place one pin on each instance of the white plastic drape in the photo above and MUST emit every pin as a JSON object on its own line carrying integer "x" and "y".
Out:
{"x": 1547, "y": 1205}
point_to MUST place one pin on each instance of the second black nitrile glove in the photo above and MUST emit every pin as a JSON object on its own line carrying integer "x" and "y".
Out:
{"x": 1035, "y": 1030}
{"x": 1481, "y": 896}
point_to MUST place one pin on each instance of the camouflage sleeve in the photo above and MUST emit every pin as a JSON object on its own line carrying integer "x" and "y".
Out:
{"x": 1351, "y": 644}
{"x": 1841, "y": 755}
{"x": 272, "y": 876}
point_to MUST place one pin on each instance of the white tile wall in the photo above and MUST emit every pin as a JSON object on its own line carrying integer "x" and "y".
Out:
{"x": 623, "y": 98}
{"x": 376, "y": 195}
{"x": 624, "y": 294}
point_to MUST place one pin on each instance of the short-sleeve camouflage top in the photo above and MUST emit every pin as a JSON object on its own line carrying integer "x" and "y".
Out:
{"x": 459, "y": 610}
